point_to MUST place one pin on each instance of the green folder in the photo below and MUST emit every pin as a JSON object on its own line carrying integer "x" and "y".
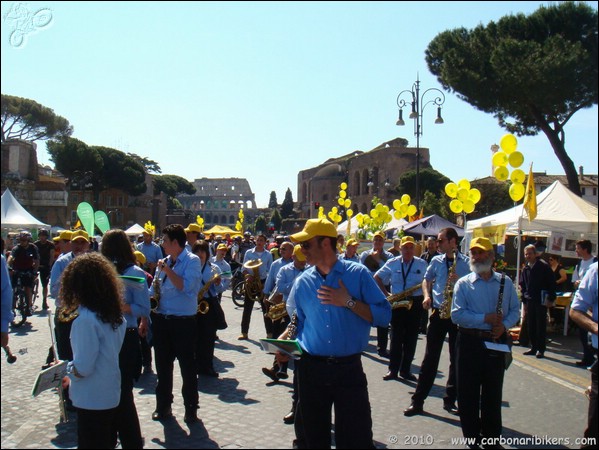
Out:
{"x": 289, "y": 347}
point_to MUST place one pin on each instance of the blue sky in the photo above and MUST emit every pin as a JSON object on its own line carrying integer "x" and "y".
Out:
{"x": 259, "y": 90}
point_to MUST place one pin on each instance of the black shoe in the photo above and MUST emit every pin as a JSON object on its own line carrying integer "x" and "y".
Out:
{"x": 290, "y": 417}
{"x": 208, "y": 372}
{"x": 270, "y": 374}
{"x": 451, "y": 408}
{"x": 390, "y": 376}
{"x": 408, "y": 376}
{"x": 191, "y": 415}
{"x": 540, "y": 355}
{"x": 530, "y": 352}
{"x": 383, "y": 353}
{"x": 584, "y": 363}
{"x": 162, "y": 414}
{"x": 413, "y": 410}
{"x": 282, "y": 375}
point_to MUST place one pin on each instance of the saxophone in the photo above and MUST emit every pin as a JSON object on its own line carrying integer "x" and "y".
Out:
{"x": 65, "y": 315}
{"x": 203, "y": 305}
{"x": 445, "y": 308}
{"x": 400, "y": 300}
{"x": 155, "y": 299}
{"x": 277, "y": 309}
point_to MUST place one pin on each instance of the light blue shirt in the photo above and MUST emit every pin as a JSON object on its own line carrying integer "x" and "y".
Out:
{"x": 208, "y": 271}
{"x": 402, "y": 275}
{"x": 474, "y": 297}
{"x": 96, "y": 347}
{"x": 585, "y": 298}
{"x": 225, "y": 268}
{"x": 276, "y": 266}
{"x": 386, "y": 256}
{"x": 266, "y": 258}
{"x": 7, "y": 314}
{"x": 56, "y": 275}
{"x": 151, "y": 251}
{"x": 137, "y": 296}
{"x": 327, "y": 330}
{"x": 437, "y": 270}
{"x": 173, "y": 301}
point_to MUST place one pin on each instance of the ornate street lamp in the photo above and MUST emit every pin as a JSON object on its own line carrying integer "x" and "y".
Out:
{"x": 418, "y": 104}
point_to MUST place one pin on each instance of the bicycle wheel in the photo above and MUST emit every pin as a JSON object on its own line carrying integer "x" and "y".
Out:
{"x": 20, "y": 310}
{"x": 238, "y": 293}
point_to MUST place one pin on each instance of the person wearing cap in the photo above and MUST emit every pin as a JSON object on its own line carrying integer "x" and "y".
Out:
{"x": 374, "y": 259}
{"x": 350, "y": 253}
{"x": 245, "y": 245}
{"x": 401, "y": 273}
{"x": 286, "y": 254}
{"x": 193, "y": 233}
{"x": 336, "y": 303}
{"x": 485, "y": 305}
{"x": 46, "y": 250}
{"x": 258, "y": 252}
{"x": 62, "y": 243}
{"x": 585, "y": 300}
{"x": 436, "y": 281}
{"x": 536, "y": 277}
{"x": 24, "y": 260}
{"x": 396, "y": 249}
{"x": 225, "y": 268}
{"x": 151, "y": 251}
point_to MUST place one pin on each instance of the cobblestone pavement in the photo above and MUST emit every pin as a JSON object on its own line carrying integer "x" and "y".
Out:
{"x": 244, "y": 409}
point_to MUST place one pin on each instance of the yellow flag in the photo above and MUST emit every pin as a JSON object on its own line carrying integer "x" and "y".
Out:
{"x": 530, "y": 197}
{"x": 77, "y": 225}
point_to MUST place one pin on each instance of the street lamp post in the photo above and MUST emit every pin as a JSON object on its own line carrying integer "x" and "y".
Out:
{"x": 418, "y": 104}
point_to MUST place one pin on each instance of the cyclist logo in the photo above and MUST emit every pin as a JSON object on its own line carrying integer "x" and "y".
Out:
{"x": 23, "y": 21}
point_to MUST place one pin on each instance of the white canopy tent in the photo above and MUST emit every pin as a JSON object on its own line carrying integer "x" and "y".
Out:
{"x": 15, "y": 216}
{"x": 134, "y": 230}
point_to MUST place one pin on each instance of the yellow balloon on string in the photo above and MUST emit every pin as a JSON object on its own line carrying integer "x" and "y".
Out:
{"x": 500, "y": 159}
{"x": 411, "y": 210}
{"x": 517, "y": 176}
{"x": 379, "y": 207}
{"x": 340, "y": 202}
{"x": 468, "y": 206}
{"x": 374, "y": 213}
{"x": 349, "y": 213}
{"x": 464, "y": 184}
{"x": 396, "y": 214}
{"x": 342, "y": 194}
{"x": 462, "y": 194}
{"x": 343, "y": 186}
{"x": 456, "y": 206}
{"x": 403, "y": 210}
{"x": 396, "y": 204}
{"x": 451, "y": 189}
{"x": 517, "y": 191}
{"x": 501, "y": 173}
{"x": 474, "y": 195}
{"x": 508, "y": 143}
{"x": 516, "y": 159}
{"x": 347, "y": 203}
{"x": 405, "y": 199}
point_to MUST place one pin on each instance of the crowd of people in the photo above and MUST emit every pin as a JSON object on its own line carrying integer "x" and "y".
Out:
{"x": 114, "y": 305}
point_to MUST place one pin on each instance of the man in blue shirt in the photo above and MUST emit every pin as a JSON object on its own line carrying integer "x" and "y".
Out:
{"x": 151, "y": 251}
{"x": 485, "y": 306}
{"x": 585, "y": 299}
{"x": 337, "y": 302}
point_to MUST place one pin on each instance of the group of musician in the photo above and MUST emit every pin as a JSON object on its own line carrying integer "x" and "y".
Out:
{"x": 182, "y": 269}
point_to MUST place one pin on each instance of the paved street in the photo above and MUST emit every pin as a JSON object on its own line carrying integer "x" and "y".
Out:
{"x": 244, "y": 409}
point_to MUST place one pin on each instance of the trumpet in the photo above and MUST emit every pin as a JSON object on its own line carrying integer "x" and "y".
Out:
{"x": 203, "y": 305}
{"x": 253, "y": 290}
{"x": 400, "y": 300}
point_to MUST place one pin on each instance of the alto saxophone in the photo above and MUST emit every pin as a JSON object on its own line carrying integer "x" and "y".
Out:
{"x": 203, "y": 305}
{"x": 400, "y": 300}
{"x": 65, "y": 315}
{"x": 445, "y": 308}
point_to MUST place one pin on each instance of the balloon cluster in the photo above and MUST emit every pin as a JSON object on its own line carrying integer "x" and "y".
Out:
{"x": 380, "y": 215}
{"x": 149, "y": 227}
{"x": 200, "y": 222}
{"x": 403, "y": 208}
{"x": 509, "y": 155}
{"x": 239, "y": 224}
{"x": 464, "y": 198}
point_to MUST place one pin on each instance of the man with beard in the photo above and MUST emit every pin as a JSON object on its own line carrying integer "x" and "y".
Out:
{"x": 485, "y": 306}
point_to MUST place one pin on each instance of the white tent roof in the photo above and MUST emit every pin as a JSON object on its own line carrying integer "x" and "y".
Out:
{"x": 558, "y": 209}
{"x": 14, "y": 215}
{"x": 134, "y": 230}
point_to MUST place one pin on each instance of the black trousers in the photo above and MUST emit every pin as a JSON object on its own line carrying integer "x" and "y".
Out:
{"x": 435, "y": 337}
{"x": 175, "y": 338}
{"x": 591, "y": 431}
{"x": 62, "y": 331}
{"x": 537, "y": 326}
{"x": 321, "y": 387}
{"x": 480, "y": 384}
{"x": 96, "y": 428}
{"x": 248, "y": 306}
{"x": 405, "y": 325}
{"x": 206, "y": 336}
{"x": 128, "y": 426}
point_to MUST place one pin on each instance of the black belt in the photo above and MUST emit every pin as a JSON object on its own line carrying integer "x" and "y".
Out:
{"x": 483, "y": 334}
{"x": 333, "y": 359}
{"x": 131, "y": 329}
{"x": 172, "y": 317}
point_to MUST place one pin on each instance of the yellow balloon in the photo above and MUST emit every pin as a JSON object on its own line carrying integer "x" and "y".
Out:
{"x": 412, "y": 210}
{"x": 338, "y": 218}
{"x": 474, "y": 195}
{"x": 343, "y": 186}
{"x": 388, "y": 218}
{"x": 349, "y": 213}
{"x": 396, "y": 204}
{"x": 403, "y": 210}
{"x": 501, "y": 173}
{"x": 517, "y": 176}
{"x": 396, "y": 214}
{"x": 334, "y": 209}
{"x": 508, "y": 143}
{"x": 456, "y": 206}
{"x": 451, "y": 189}
{"x": 385, "y": 208}
{"x": 516, "y": 159}
{"x": 347, "y": 203}
{"x": 379, "y": 207}
{"x": 462, "y": 194}
{"x": 321, "y": 209}
{"x": 367, "y": 220}
{"x": 342, "y": 194}
{"x": 464, "y": 184}
{"x": 468, "y": 206}
{"x": 405, "y": 199}
{"x": 500, "y": 159}
{"x": 374, "y": 213}
{"x": 517, "y": 191}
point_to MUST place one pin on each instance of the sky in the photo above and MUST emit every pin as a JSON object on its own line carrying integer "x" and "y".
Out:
{"x": 258, "y": 90}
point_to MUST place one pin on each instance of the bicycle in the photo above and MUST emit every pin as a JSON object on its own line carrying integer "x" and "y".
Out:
{"x": 238, "y": 287}
{"x": 19, "y": 301}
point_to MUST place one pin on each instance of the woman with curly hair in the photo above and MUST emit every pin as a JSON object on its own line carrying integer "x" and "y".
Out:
{"x": 90, "y": 284}
{"x": 117, "y": 248}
